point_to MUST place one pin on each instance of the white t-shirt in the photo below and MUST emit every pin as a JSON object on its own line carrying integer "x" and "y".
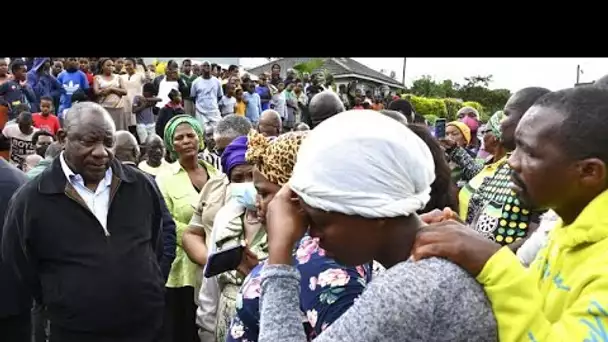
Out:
{"x": 280, "y": 104}
{"x": 227, "y": 105}
{"x": 143, "y": 165}
{"x": 21, "y": 144}
{"x": 163, "y": 91}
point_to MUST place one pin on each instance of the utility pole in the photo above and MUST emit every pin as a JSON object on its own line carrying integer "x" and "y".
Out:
{"x": 578, "y": 73}
{"x": 404, "y": 61}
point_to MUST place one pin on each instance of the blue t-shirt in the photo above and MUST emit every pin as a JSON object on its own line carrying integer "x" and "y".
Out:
{"x": 264, "y": 93}
{"x": 327, "y": 290}
{"x": 146, "y": 116}
{"x": 70, "y": 81}
{"x": 254, "y": 107}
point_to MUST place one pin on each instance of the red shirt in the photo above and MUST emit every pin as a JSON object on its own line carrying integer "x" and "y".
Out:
{"x": 49, "y": 123}
{"x": 90, "y": 79}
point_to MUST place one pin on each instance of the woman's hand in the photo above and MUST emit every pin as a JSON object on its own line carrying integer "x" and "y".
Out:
{"x": 456, "y": 242}
{"x": 447, "y": 144}
{"x": 285, "y": 225}
{"x": 437, "y": 216}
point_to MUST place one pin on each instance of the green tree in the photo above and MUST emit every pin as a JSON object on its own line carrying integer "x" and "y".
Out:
{"x": 311, "y": 66}
{"x": 475, "y": 89}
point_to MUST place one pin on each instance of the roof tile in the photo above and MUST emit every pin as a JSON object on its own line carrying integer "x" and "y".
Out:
{"x": 334, "y": 65}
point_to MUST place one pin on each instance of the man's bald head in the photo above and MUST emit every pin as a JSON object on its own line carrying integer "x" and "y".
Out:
{"x": 302, "y": 127}
{"x": 153, "y": 139}
{"x": 229, "y": 128}
{"x": 31, "y": 161}
{"x": 209, "y": 129}
{"x": 87, "y": 113}
{"x": 209, "y": 142}
{"x": 126, "y": 148}
{"x": 323, "y": 106}
{"x": 270, "y": 124}
{"x": 601, "y": 83}
{"x": 155, "y": 149}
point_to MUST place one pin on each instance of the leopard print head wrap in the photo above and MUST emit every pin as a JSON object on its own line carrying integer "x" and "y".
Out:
{"x": 274, "y": 158}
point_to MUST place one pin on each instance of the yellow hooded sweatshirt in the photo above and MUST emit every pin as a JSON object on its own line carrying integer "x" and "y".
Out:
{"x": 563, "y": 296}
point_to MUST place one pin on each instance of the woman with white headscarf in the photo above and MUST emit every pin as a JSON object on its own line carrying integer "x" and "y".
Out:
{"x": 357, "y": 184}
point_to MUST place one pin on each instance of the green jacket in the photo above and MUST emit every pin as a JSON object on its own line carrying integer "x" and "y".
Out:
{"x": 41, "y": 166}
{"x": 188, "y": 81}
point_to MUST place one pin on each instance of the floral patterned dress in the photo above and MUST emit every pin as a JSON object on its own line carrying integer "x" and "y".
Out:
{"x": 327, "y": 290}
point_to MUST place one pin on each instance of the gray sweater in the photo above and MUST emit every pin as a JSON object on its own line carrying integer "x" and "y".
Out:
{"x": 428, "y": 300}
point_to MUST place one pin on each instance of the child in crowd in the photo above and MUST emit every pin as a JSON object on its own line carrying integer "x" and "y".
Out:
{"x": 20, "y": 134}
{"x": 254, "y": 105}
{"x": 143, "y": 107}
{"x": 45, "y": 120}
{"x": 85, "y": 66}
{"x": 72, "y": 79}
{"x": 171, "y": 109}
{"x": 228, "y": 101}
{"x": 16, "y": 91}
{"x": 240, "y": 106}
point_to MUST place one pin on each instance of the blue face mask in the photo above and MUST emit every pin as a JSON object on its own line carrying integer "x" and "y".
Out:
{"x": 244, "y": 193}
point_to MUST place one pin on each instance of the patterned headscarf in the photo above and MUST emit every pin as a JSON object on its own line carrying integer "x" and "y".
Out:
{"x": 494, "y": 123}
{"x": 274, "y": 158}
{"x": 172, "y": 125}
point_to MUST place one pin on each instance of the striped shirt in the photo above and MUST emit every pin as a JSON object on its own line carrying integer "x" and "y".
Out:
{"x": 211, "y": 158}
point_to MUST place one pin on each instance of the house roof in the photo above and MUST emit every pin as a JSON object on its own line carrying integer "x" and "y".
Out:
{"x": 337, "y": 66}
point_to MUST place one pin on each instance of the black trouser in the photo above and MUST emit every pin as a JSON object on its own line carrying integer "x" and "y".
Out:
{"x": 40, "y": 323}
{"x": 180, "y": 315}
{"x": 16, "y": 328}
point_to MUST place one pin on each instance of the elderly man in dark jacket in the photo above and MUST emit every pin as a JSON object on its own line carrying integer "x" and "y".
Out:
{"x": 85, "y": 236}
{"x": 127, "y": 151}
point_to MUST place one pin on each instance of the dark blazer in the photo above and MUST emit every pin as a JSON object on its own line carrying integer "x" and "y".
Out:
{"x": 15, "y": 299}
{"x": 92, "y": 284}
{"x": 169, "y": 237}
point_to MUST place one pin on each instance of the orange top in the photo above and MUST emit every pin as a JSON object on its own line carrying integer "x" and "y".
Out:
{"x": 239, "y": 108}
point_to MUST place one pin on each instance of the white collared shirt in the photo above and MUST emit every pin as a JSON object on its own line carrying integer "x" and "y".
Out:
{"x": 97, "y": 201}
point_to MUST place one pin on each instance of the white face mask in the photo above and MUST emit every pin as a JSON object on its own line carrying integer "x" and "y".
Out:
{"x": 244, "y": 193}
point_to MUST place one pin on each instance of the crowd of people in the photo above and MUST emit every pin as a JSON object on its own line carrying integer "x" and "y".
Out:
{"x": 355, "y": 221}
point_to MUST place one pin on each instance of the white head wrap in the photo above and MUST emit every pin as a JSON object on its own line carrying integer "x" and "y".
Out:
{"x": 363, "y": 163}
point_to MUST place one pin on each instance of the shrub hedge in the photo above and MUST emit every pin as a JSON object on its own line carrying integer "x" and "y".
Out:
{"x": 433, "y": 108}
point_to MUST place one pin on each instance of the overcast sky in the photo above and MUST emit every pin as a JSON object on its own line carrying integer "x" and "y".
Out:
{"x": 510, "y": 73}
